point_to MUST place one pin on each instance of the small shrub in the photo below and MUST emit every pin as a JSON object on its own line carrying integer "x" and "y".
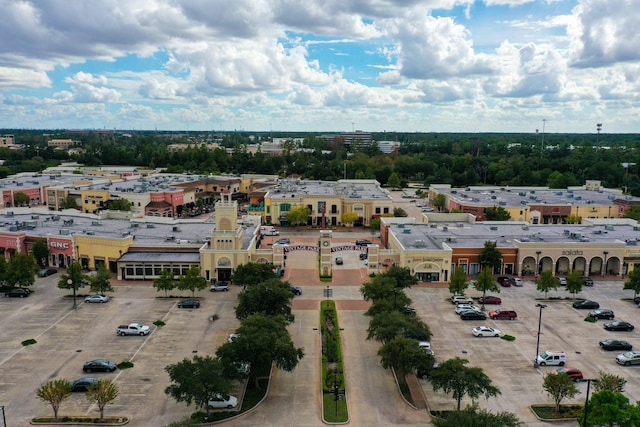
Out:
{"x": 126, "y": 364}
{"x": 590, "y": 319}
{"x": 508, "y": 338}
{"x": 159, "y": 323}
{"x": 30, "y": 341}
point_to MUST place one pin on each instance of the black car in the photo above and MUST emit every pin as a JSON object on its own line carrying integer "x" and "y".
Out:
{"x": 615, "y": 345}
{"x": 189, "y": 303}
{"x": 82, "y": 384}
{"x": 46, "y": 272}
{"x": 618, "y": 326}
{"x": 363, "y": 242}
{"x": 586, "y": 304}
{"x": 283, "y": 241}
{"x": 99, "y": 365}
{"x": 408, "y": 310}
{"x": 297, "y": 290}
{"x": 472, "y": 315}
{"x": 17, "y": 293}
{"x": 602, "y": 313}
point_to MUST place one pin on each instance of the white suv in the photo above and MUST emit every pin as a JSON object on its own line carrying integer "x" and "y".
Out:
{"x": 558, "y": 358}
{"x": 461, "y": 299}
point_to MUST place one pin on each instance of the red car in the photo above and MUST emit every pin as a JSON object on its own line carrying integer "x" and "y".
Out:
{"x": 490, "y": 300}
{"x": 504, "y": 281}
{"x": 573, "y": 373}
{"x": 503, "y": 313}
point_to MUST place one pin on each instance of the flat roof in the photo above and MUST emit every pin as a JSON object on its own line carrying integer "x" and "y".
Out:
{"x": 348, "y": 189}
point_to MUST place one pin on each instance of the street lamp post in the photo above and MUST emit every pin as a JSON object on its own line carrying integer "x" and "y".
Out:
{"x": 535, "y": 361}
{"x": 586, "y": 402}
{"x": 70, "y": 283}
{"x": 538, "y": 262}
{"x": 604, "y": 265}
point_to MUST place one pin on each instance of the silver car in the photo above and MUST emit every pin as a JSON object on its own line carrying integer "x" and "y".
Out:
{"x": 628, "y": 358}
{"x": 97, "y": 299}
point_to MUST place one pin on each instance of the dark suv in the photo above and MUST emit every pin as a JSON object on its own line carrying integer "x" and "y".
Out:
{"x": 503, "y": 313}
{"x": 363, "y": 242}
{"x": 602, "y": 313}
{"x": 17, "y": 293}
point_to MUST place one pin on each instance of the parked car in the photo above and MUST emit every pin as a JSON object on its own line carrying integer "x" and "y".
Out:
{"x": 297, "y": 290}
{"x": 516, "y": 281}
{"x": 464, "y": 307}
{"x": 99, "y": 365}
{"x": 618, "y": 326}
{"x": 339, "y": 261}
{"x": 408, "y": 310}
{"x": 490, "y": 299}
{"x": 363, "y": 242}
{"x": 472, "y": 315}
{"x": 573, "y": 373}
{"x": 615, "y": 345}
{"x": 586, "y": 304}
{"x": 602, "y": 313}
{"x": 96, "y": 299}
{"x": 628, "y": 358}
{"x": 636, "y": 300}
{"x": 485, "y": 331}
{"x": 232, "y": 337}
{"x": 461, "y": 299}
{"x": 549, "y": 357}
{"x": 504, "y": 281}
{"x": 17, "y": 293}
{"x": 220, "y": 287}
{"x": 223, "y": 401}
{"x": 588, "y": 281}
{"x": 562, "y": 280}
{"x": 283, "y": 241}
{"x": 189, "y": 303}
{"x": 363, "y": 256}
{"x": 503, "y": 313}
{"x": 46, "y": 272}
{"x": 82, "y": 384}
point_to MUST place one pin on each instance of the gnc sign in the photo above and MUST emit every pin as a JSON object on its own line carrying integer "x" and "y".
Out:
{"x": 59, "y": 245}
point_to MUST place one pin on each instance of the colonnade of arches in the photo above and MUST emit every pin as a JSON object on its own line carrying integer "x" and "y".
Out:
{"x": 595, "y": 266}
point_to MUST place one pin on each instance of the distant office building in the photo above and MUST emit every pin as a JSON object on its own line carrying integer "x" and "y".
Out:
{"x": 7, "y": 141}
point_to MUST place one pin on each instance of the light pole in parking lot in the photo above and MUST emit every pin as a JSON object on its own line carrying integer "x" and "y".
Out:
{"x": 70, "y": 283}
{"x": 586, "y": 402}
{"x": 535, "y": 361}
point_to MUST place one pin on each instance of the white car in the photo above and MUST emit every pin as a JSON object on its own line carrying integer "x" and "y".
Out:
{"x": 220, "y": 401}
{"x": 97, "y": 298}
{"x": 485, "y": 331}
{"x": 232, "y": 337}
{"x": 461, "y": 299}
{"x": 426, "y": 346}
{"x": 517, "y": 281}
{"x": 463, "y": 307}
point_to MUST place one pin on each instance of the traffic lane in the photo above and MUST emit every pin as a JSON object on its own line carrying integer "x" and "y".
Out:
{"x": 510, "y": 364}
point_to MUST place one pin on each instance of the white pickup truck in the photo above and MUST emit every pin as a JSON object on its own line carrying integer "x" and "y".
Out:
{"x": 133, "y": 329}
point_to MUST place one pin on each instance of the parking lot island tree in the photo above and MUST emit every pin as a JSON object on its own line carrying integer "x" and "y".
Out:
{"x": 546, "y": 282}
{"x": 454, "y": 377}
{"x": 102, "y": 392}
{"x": 192, "y": 281}
{"x": 402, "y": 275}
{"x": 272, "y": 298}
{"x": 252, "y": 273}
{"x": 473, "y": 416}
{"x": 607, "y": 408}
{"x": 633, "y": 282}
{"x": 54, "y": 393}
{"x": 607, "y": 381}
{"x": 559, "y": 387}
{"x": 164, "y": 282}
{"x": 574, "y": 283}
{"x": 458, "y": 284}
{"x": 404, "y": 356}
{"x": 197, "y": 381}
{"x": 74, "y": 279}
{"x": 101, "y": 282}
{"x": 385, "y": 326}
{"x": 262, "y": 340}
{"x": 382, "y": 287}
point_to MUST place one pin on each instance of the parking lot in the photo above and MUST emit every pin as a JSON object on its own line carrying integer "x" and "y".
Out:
{"x": 67, "y": 338}
{"x": 510, "y": 364}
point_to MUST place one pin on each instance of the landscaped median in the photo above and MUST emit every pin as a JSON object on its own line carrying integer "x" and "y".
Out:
{"x": 335, "y": 409}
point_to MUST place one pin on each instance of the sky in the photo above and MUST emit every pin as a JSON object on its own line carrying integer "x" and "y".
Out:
{"x": 555, "y": 66}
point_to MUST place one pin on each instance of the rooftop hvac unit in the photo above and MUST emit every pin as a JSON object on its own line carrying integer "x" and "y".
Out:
{"x": 64, "y": 231}
{"x": 452, "y": 239}
{"x": 523, "y": 202}
{"x": 175, "y": 228}
{"x": 420, "y": 244}
{"x": 522, "y": 194}
{"x": 636, "y": 228}
{"x": 608, "y": 227}
{"x": 96, "y": 223}
{"x": 493, "y": 228}
{"x": 400, "y": 225}
{"x": 525, "y": 227}
{"x": 567, "y": 232}
{"x": 578, "y": 197}
{"x": 150, "y": 226}
{"x": 445, "y": 228}
{"x": 494, "y": 197}
{"x": 502, "y": 203}
{"x": 407, "y": 231}
{"x": 558, "y": 193}
{"x": 433, "y": 225}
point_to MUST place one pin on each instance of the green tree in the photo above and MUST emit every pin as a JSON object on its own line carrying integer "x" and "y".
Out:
{"x": 402, "y": 276}
{"x": 473, "y": 416}
{"x": 574, "y": 283}
{"x": 271, "y": 298}
{"x": 633, "y": 282}
{"x": 387, "y": 325}
{"x": 349, "y": 218}
{"x": 101, "y": 282}
{"x": 610, "y": 382}
{"x": 252, "y": 273}
{"x": 573, "y": 219}
{"x": 164, "y": 282}
{"x": 393, "y": 181}
{"x": 40, "y": 252}
{"x": 497, "y": 213}
{"x": 192, "y": 281}
{"x": 379, "y": 288}
{"x": 69, "y": 202}
{"x": 633, "y": 212}
{"x": 375, "y": 224}
{"x": 21, "y": 199}
{"x": 559, "y": 387}
{"x": 262, "y": 340}
{"x": 54, "y": 393}
{"x": 197, "y": 381}
{"x": 404, "y": 356}
{"x": 120, "y": 205}
{"x": 21, "y": 270}
{"x": 547, "y": 282}
{"x": 455, "y": 378}
{"x": 399, "y": 213}
{"x": 458, "y": 283}
{"x": 607, "y": 408}
{"x": 73, "y": 278}
{"x": 486, "y": 282}
{"x": 102, "y": 392}
{"x": 439, "y": 202}
{"x": 490, "y": 256}
{"x": 298, "y": 215}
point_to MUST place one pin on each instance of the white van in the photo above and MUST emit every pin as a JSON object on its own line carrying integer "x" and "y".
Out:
{"x": 269, "y": 230}
{"x": 558, "y": 358}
